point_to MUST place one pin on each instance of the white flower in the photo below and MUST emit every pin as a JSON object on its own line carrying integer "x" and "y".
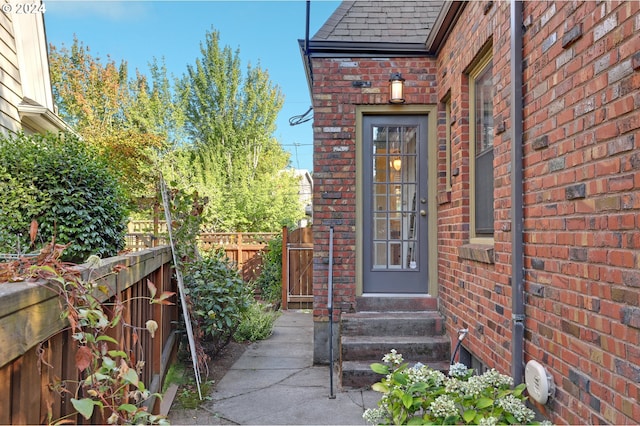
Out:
{"x": 494, "y": 379}
{"x": 375, "y": 416}
{"x": 488, "y": 421}
{"x": 515, "y": 406}
{"x": 393, "y": 357}
{"x": 443, "y": 406}
{"x": 458, "y": 370}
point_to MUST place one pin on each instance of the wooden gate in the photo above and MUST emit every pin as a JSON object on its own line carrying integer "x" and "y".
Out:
{"x": 297, "y": 268}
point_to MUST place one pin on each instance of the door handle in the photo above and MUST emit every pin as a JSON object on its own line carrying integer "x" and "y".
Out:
{"x": 423, "y": 212}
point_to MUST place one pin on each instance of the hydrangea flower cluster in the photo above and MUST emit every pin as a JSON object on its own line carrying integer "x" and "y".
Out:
{"x": 421, "y": 395}
{"x": 458, "y": 370}
{"x": 393, "y": 357}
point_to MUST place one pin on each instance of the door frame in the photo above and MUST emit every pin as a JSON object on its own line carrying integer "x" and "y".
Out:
{"x": 429, "y": 112}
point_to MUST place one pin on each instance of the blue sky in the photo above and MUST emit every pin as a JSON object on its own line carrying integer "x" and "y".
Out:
{"x": 264, "y": 31}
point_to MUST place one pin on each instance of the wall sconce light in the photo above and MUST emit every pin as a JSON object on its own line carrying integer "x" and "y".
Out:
{"x": 396, "y": 164}
{"x": 396, "y": 88}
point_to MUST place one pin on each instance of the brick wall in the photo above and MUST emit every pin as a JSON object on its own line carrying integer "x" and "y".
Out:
{"x": 581, "y": 181}
{"x": 334, "y": 170}
{"x": 476, "y": 295}
{"x": 581, "y": 202}
{"x": 582, "y": 132}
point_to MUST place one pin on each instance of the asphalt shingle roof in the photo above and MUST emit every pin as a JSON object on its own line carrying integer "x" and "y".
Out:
{"x": 381, "y": 21}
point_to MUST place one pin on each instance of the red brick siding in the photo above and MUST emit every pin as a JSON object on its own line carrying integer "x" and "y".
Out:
{"x": 581, "y": 181}
{"x": 581, "y": 201}
{"x": 334, "y": 170}
{"x": 476, "y": 295}
{"x": 582, "y": 130}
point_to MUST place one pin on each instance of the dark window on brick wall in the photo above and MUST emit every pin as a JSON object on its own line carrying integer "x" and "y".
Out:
{"x": 482, "y": 120}
{"x": 471, "y": 361}
{"x": 447, "y": 107}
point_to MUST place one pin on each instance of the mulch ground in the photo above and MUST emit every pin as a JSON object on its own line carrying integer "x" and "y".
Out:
{"x": 222, "y": 362}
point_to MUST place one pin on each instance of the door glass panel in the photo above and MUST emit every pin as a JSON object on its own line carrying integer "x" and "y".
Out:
{"x": 380, "y": 255}
{"x": 380, "y": 223}
{"x": 395, "y": 252}
{"x": 394, "y": 189}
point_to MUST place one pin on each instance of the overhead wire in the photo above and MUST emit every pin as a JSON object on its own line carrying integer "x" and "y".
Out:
{"x": 299, "y": 119}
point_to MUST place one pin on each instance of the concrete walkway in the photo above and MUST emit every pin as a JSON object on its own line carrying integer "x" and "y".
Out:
{"x": 274, "y": 382}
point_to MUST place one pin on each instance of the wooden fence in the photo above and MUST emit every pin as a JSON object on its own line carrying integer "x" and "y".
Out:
{"x": 36, "y": 348}
{"x": 244, "y": 249}
{"x": 297, "y": 268}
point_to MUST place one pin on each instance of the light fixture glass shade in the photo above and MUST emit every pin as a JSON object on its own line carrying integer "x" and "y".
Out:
{"x": 396, "y": 88}
{"x": 396, "y": 164}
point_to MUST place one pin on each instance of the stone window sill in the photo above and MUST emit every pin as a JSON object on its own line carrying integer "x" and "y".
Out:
{"x": 478, "y": 252}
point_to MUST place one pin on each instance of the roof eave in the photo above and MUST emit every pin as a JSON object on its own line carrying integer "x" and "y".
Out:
{"x": 306, "y": 63}
{"x": 42, "y": 119}
{"x": 443, "y": 25}
{"x": 360, "y": 49}
{"x": 355, "y": 49}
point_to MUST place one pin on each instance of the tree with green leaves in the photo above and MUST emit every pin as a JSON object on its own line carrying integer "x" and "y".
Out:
{"x": 110, "y": 111}
{"x": 210, "y": 130}
{"x": 230, "y": 119}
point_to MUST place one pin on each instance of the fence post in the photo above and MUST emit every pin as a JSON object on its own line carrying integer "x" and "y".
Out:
{"x": 240, "y": 262}
{"x": 156, "y": 224}
{"x": 285, "y": 269}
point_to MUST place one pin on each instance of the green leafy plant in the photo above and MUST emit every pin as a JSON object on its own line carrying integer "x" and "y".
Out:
{"x": 64, "y": 185}
{"x": 218, "y": 297}
{"x": 257, "y": 323}
{"x": 269, "y": 282}
{"x": 110, "y": 386}
{"x": 189, "y": 398}
{"x": 186, "y": 215}
{"x": 421, "y": 395}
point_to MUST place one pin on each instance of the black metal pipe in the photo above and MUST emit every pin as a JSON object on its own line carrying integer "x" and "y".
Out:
{"x": 517, "y": 215}
{"x": 330, "y": 309}
{"x": 461, "y": 335}
{"x": 306, "y": 34}
{"x": 306, "y": 41}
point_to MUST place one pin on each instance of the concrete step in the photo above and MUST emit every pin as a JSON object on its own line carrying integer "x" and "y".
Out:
{"x": 426, "y": 323}
{"x": 358, "y": 374}
{"x": 396, "y": 303}
{"x": 411, "y": 325}
{"x": 421, "y": 348}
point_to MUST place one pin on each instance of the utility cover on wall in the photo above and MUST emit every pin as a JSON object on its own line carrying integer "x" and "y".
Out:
{"x": 539, "y": 382}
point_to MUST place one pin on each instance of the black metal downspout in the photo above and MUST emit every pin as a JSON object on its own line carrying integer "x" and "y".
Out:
{"x": 517, "y": 243}
{"x": 306, "y": 42}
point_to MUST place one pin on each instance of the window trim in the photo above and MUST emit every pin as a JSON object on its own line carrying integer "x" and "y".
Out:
{"x": 477, "y": 69}
{"x": 448, "y": 142}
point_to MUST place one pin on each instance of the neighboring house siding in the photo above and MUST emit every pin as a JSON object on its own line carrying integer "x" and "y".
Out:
{"x": 581, "y": 202}
{"x": 10, "y": 88}
{"x": 26, "y": 98}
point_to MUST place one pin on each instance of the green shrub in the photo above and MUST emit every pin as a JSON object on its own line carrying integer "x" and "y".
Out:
{"x": 218, "y": 297}
{"x": 257, "y": 323}
{"x": 421, "y": 395}
{"x": 62, "y": 183}
{"x": 270, "y": 279}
